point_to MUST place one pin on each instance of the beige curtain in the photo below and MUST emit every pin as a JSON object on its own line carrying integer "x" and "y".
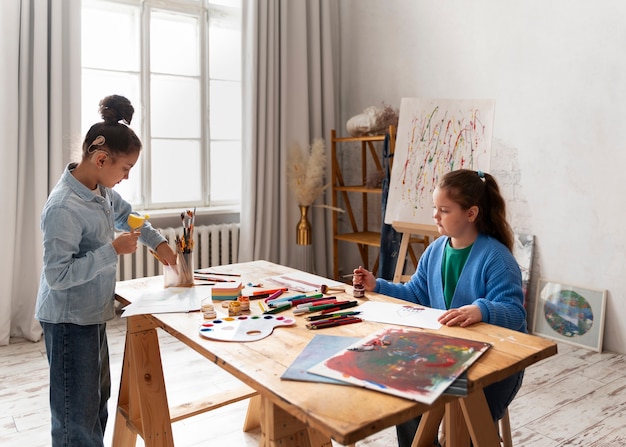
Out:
{"x": 38, "y": 42}
{"x": 290, "y": 96}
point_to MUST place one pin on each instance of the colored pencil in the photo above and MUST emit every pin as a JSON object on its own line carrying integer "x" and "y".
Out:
{"x": 217, "y": 273}
{"x": 340, "y": 306}
{"x": 296, "y": 297}
{"x": 265, "y": 294}
{"x": 311, "y": 300}
{"x": 340, "y": 322}
{"x": 301, "y": 295}
{"x": 278, "y": 309}
{"x": 337, "y": 306}
{"x": 331, "y": 315}
{"x": 331, "y": 320}
{"x": 212, "y": 278}
{"x": 316, "y": 302}
{"x": 290, "y": 299}
{"x": 276, "y": 294}
{"x": 270, "y": 292}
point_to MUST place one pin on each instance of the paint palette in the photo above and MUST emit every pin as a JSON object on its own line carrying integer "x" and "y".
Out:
{"x": 243, "y": 327}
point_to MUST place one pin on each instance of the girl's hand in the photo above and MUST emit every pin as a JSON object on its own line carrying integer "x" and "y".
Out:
{"x": 126, "y": 243}
{"x": 463, "y": 316}
{"x": 362, "y": 276}
{"x": 166, "y": 255}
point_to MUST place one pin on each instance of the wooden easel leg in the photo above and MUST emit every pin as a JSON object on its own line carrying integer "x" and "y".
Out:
{"x": 404, "y": 246}
{"x": 280, "y": 429}
{"x": 142, "y": 406}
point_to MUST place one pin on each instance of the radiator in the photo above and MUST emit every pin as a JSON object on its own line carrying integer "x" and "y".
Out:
{"x": 213, "y": 245}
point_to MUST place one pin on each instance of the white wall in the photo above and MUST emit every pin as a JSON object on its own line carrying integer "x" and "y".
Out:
{"x": 557, "y": 70}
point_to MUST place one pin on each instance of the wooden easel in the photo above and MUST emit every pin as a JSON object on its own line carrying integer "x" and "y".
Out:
{"x": 409, "y": 232}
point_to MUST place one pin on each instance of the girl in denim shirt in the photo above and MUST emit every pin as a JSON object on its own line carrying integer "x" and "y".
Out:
{"x": 77, "y": 286}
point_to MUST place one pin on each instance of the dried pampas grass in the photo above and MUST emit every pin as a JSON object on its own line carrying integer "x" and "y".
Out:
{"x": 306, "y": 171}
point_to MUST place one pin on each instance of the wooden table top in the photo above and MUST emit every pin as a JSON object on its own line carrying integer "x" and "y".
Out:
{"x": 345, "y": 413}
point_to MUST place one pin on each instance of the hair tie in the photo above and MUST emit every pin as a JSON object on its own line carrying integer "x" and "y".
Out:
{"x": 481, "y": 174}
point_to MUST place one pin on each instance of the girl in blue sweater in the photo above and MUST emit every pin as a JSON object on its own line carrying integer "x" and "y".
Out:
{"x": 470, "y": 271}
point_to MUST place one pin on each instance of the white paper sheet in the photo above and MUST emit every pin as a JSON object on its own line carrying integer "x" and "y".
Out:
{"x": 408, "y": 314}
{"x": 172, "y": 299}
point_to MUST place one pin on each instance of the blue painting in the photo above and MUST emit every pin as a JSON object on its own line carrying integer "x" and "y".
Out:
{"x": 571, "y": 314}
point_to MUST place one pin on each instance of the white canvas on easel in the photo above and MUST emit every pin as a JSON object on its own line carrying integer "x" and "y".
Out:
{"x": 435, "y": 136}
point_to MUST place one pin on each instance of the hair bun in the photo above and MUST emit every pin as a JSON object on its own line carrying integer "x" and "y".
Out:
{"x": 115, "y": 108}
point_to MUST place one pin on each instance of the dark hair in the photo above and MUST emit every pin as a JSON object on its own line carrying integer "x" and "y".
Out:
{"x": 475, "y": 188}
{"x": 115, "y": 135}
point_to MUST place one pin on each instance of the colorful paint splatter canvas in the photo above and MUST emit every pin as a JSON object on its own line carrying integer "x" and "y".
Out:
{"x": 411, "y": 364}
{"x": 435, "y": 136}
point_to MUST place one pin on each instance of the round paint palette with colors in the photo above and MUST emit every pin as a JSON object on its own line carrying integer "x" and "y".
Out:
{"x": 244, "y": 327}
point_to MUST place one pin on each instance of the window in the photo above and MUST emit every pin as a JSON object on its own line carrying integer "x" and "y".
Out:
{"x": 179, "y": 63}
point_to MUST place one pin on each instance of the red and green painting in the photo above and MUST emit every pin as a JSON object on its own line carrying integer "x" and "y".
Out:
{"x": 411, "y": 364}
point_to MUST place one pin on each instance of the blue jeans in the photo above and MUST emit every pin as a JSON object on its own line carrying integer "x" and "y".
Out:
{"x": 80, "y": 383}
{"x": 499, "y": 395}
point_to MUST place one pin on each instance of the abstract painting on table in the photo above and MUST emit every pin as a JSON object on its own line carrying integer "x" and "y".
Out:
{"x": 570, "y": 314}
{"x": 435, "y": 136}
{"x": 411, "y": 364}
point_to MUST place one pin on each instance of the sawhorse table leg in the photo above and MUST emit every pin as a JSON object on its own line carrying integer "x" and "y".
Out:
{"x": 142, "y": 406}
{"x": 279, "y": 428}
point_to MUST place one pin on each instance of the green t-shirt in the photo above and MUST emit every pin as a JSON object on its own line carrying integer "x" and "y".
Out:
{"x": 451, "y": 268}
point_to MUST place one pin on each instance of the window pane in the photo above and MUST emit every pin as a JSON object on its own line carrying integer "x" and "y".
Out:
{"x": 175, "y": 107}
{"x": 225, "y": 171}
{"x": 174, "y": 44}
{"x": 176, "y": 171}
{"x": 225, "y": 54}
{"x": 234, "y": 3}
{"x": 164, "y": 52}
{"x": 225, "y": 112}
{"x": 117, "y": 48}
{"x": 97, "y": 84}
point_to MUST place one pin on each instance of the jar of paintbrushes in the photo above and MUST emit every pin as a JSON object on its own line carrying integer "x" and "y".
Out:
{"x": 181, "y": 274}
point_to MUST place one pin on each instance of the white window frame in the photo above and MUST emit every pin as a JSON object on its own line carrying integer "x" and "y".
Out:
{"x": 202, "y": 9}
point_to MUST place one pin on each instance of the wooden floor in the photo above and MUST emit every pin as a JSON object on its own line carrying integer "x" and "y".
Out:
{"x": 577, "y": 398}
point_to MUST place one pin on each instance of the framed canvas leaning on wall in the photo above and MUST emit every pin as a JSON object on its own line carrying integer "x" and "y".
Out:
{"x": 570, "y": 314}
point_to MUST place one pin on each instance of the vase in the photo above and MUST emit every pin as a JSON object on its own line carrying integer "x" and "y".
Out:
{"x": 303, "y": 230}
{"x": 304, "y": 247}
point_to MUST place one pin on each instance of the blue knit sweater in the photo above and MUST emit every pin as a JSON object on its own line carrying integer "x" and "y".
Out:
{"x": 491, "y": 279}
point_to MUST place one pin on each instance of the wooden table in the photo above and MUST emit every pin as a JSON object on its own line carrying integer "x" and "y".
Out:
{"x": 302, "y": 413}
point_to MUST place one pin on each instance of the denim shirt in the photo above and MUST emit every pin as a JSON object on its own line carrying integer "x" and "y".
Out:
{"x": 77, "y": 282}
